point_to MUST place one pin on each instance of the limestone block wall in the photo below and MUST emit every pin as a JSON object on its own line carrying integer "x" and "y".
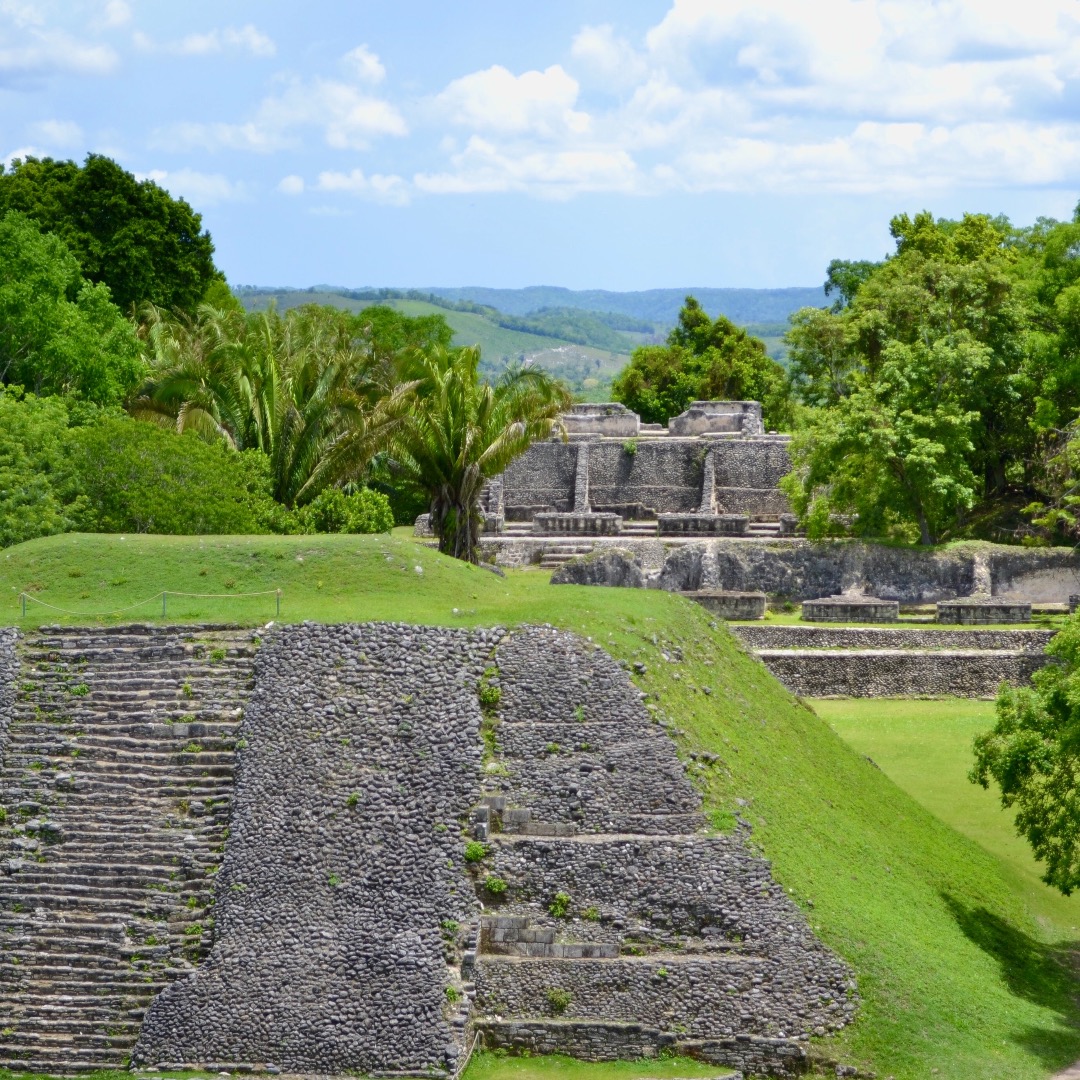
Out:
{"x": 803, "y": 570}
{"x": 663, "y": 475}
{"x": 345, "y": 858}
{"x": 900, "y": 672}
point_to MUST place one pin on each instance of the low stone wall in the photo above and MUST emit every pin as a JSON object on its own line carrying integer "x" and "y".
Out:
{"x": 899, "y": 672}
{"x": 328, "y": 954}
{"x": 974, "y": 611}
{"x": 730, "y": 605}
{"x": 577, "y": 524}
{"x": 579, "y": 1038}
{"x": 702, "y": 524}
{"x": 869, "y": 637}
{"x": 850, "y": 609}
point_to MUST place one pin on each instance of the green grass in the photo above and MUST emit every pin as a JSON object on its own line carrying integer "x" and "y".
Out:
{"x": 925, "y": 746}
{"x": 956, "y": 967}
{"x": 492, "y": 1066}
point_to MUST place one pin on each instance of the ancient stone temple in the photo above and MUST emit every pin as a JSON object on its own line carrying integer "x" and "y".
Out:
{"x": 712, "y": 471}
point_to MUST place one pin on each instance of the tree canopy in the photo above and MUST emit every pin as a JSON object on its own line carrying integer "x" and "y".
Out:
{"x": 937, "y": 381}
{"x": 128, "y": 234}
{"x": 1032, "y": 755}
{"x": 704, "y": 359}
{"x": 59, "y": 334}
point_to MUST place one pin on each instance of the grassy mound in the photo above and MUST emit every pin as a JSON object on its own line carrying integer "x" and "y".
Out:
{"x": 957, "y": 974}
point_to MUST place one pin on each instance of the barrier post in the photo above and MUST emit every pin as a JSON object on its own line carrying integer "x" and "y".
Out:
{"x": 278, "y": 604}
{"x": 22, "y": 597}
{"x": 163, "y": 595}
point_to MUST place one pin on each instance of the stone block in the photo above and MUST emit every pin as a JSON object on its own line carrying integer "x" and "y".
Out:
{"x": 1074, "y": 603}
{"x": 730, "y": 605}
{"x": 973, "y": 611}
{"x": 850, "y": 609}
{"x": 709, "y": 417}
{"x": 422, "y": 526}
{"x": 702, "y": 524}
{"x": 608, "y": 418}
{"x": 558, "y": 524}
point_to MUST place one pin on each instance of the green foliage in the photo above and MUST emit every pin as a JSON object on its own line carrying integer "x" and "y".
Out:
{"x": 58, "y": 333}
{"x": 129, "y": 235}
{"x": 463, "y": 432}
{"x": 334, "y": 511}
{"x": 943, "y": 376}
{"x": 1032, "y": 754}
{"x": 704, "y": 359}
{"x": 560, "y": 905}
{"x": 629, "y": 448}
{"x": 315, "y": 391}
{"x": 34, "y": 468}
{"x": 475, "y": 851}
{"x": 489, "y": 696}
{"x": 558, "y": 1000}
{"x": 135, "y": 477}
{"x": 496, "y": 886}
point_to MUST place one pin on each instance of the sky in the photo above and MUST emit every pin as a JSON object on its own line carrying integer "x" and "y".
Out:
{"x": 617, "y": 144}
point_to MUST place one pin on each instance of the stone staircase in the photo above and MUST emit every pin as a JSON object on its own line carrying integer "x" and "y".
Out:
{"x": 116, "y": 782}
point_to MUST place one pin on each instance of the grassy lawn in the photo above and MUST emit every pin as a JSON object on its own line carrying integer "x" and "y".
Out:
{"x": 925, "y": 746}
{"x": 557, "y": 1067}
{"x": 960, "y": 970}
{"x": 487, "y": 1067}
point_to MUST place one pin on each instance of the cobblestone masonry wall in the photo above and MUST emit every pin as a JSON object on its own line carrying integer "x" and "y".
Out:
{"x": 9, "y": 666}
{"x": 865, "y": 637}
{"x": 345, "y": 858}
{"x": 660, "y": 923}
{"x": 899, "y": 672}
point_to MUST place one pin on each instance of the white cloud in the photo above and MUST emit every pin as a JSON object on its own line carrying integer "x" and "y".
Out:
{"x": 37, "y": 52}
{"x": 612, "y": 59}
{"x": 59, "y": 132}
{"x": 389, "y": 189}
{"x": 560, "y": 174}
{"x": 117, "y": 13}
{"x": 535, "y": 103}
{"x": 291, "y": 185}
{"x": 349, "y": 116}
{"x": 22, "y": 153}
{"x": 199, "y": 188}
{"x": 247, "y": 38}
{"x": 364, "y": 65}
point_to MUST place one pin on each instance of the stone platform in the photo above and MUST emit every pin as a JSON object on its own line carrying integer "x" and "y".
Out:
{"x": 975, "y": 611}
{"x": 850, "y": 609}
{"x": 730, "y": 605}
{"x": 702, "y": 524}
{"x": 576, "y": 524}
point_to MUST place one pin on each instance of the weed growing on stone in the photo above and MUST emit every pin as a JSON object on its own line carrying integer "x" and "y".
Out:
{"x": 560, "y": 905}
{"x": 558, "y": 1000}
{"x": 496, "y": 886}
{"x": 475, "y": 851}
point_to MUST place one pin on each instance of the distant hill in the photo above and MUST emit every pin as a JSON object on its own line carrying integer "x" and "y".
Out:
{"x": 654, "y": 305}
{"x": 582, "y": 337}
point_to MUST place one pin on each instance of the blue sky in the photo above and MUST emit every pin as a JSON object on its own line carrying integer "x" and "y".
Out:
{"x": 592, "y": 144}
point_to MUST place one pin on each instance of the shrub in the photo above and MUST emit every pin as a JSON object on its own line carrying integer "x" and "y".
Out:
{"x": 495, "y": 885}
{"x": 475, "y": 851}
{"x": 558, "y": 1000}
{"x": 629, "y": 448}
{"x": 334, "y": 511}
{"x": 489, "y": 695}
{"x": 137, "y": 477}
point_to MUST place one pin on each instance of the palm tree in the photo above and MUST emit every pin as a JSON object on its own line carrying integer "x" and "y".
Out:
{"x": 464, "y": 432}
{"x": 298, "y": 388}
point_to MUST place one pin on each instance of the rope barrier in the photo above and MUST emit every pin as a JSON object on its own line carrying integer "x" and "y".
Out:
{"x": 163, "y": 596}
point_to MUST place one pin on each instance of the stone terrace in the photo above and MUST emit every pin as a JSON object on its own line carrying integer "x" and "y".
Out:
{"x": 672, "y": 938}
